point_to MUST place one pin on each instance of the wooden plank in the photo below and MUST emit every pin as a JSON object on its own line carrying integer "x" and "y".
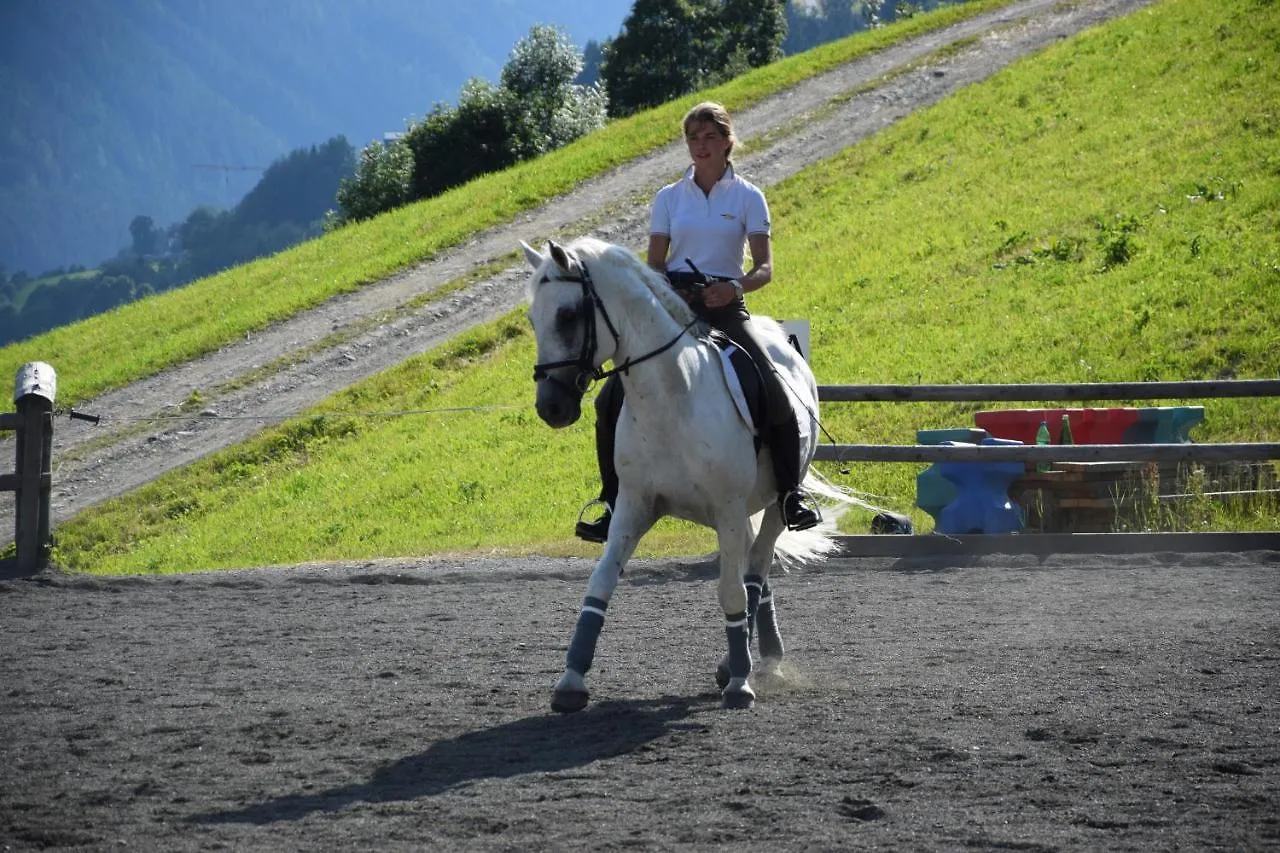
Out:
{"x": 10, "y": 420}
{"x": 1091, "y": 503}
{"x": 930, "y": 545}
{"x": 1046, "y": 453}
{"x": 1239, "y": 493}
{"x": 1086, "y": 468}
{"x": 1049, "y": 392}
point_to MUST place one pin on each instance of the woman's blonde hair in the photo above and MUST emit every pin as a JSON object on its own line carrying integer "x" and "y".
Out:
{"x": 709, "y": 112}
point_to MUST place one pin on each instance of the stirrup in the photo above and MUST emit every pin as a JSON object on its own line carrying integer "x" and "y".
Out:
{"x": 804, "y": 516}
{"x": 594, "y": 531}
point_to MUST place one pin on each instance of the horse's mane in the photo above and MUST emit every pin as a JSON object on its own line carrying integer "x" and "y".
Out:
{"x": 596, "y": 253}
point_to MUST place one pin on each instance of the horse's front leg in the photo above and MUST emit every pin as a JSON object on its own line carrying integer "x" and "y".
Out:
{"x": 733, "y": 532}
{"x": 625, "y": 531}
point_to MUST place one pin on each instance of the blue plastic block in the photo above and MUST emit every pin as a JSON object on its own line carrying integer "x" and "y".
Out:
{"x": 934, "y": 491}
{"x": 981, "y": 503}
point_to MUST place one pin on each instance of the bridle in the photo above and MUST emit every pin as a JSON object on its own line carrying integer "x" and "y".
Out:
{"x": 585, "y": 362}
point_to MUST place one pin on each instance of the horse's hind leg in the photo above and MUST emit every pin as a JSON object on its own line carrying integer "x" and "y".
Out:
{"x": 762, "y": 621}
{"x": 766, "y": 624}
{"x": 765, "y": 618}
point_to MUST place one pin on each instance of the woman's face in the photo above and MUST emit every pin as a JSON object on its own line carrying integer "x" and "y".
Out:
{"x": 707, "y": 144}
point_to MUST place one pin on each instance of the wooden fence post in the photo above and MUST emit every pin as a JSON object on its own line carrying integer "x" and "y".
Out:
{"x": 34, "y": 390}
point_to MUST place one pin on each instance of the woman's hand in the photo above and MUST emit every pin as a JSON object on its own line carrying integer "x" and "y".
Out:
{"x": 720, "y": 293}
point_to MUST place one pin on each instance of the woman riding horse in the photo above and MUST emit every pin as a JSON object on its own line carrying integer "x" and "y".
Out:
{"x": 686, "y": 449}
{"x": 698, "y": 226}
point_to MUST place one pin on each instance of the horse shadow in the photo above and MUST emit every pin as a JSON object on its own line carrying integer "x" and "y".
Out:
{"x": 543, "y": 744}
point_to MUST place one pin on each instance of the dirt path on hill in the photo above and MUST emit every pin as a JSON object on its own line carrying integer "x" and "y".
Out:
{"x": 137, "y": 440}
{"x": 1069, "y": 703}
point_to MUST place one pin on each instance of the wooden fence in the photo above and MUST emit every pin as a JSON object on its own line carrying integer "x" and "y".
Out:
{"x": 897, "y": 545}
{"x": 35, "y": 387}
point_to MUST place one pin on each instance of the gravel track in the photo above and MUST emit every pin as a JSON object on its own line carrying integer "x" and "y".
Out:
{"x": 1125, "y": 703}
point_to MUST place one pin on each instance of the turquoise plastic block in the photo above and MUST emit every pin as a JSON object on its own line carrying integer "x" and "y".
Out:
{"x": 1163, "y": 425}
{"x": 966, "y": 435}
{"x": 1176, "y": 422}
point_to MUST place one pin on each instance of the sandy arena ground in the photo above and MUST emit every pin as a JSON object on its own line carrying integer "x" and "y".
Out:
{"x": 1082, "y": 703}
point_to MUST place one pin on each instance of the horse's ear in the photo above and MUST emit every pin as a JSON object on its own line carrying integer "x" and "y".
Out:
{"x": 561, "y": 256}
{"x": 535, "y": 259}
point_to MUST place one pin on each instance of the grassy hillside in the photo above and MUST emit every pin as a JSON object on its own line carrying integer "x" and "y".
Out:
{"x": 110, "y": 350}
{"x": 1105, "y": 211}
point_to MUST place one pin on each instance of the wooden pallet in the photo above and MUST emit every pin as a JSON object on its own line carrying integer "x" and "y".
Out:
{"x": 1103, "y": 497}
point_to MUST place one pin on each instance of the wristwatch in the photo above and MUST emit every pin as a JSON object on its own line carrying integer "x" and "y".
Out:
{"x": 737, "y": 286}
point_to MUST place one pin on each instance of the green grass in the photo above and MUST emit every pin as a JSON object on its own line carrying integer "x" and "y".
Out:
{"x": 110, "y": 350}
{"x": 1108, "y": 210}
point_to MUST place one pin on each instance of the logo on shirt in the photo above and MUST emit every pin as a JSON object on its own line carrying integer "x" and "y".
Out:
{"x": 728, "y": 216}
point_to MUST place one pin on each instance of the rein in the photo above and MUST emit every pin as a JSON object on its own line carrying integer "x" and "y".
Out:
{"x": 586, "y": 358}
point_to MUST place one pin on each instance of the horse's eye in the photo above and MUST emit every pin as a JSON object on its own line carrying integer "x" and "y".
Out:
{"x": 566, "y": 317}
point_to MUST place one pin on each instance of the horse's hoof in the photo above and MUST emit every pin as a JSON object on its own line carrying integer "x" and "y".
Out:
{"x": 722, "y": 676}
{"x": 737, "y": 700}
{"x": 769, "y": 667}
{"x": 569, "y": 701}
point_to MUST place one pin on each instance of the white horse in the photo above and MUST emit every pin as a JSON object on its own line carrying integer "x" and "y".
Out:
{"x": 683, "y": 449}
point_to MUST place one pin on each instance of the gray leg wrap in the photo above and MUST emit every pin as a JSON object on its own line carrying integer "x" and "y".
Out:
{"x": 767, "y": 625}
{"x": 735, "y": 628}
{"x": 582, "y": 650}
{"x": 754, "y": 584}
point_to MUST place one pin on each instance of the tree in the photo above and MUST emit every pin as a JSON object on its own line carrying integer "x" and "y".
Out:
{"x": 541, "y": 64}
{"x": 383, "y": 181}
{"x": 204, "y": 238}
{"x": 299, "y": 188}
{"x": 660, "y": 53}
{"x": 592, "y": 56}
{"x": 668, "y": 48}
{"x": 105, "y": 293}
{"x": 9, "y": 324}
{"x": 145, "y": 237}
{"x": 538, "y": 106}
{"x": 540, "y": 74}
{"x": 754, "y": 30}
{"x": 809, "y": 25}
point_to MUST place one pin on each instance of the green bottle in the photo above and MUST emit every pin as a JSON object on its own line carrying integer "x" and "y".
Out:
{"x": 1064, "y": 437}
{"x": 1042, "y": 440}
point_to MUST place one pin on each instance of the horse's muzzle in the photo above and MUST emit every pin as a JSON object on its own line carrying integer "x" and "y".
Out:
{"x": 558, "y": 404}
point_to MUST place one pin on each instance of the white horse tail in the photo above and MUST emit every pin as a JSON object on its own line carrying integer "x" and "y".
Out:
{"x": 797, "y": 547}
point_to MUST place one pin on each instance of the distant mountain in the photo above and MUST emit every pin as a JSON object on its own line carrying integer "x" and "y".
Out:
{"x": 111, "y": 109}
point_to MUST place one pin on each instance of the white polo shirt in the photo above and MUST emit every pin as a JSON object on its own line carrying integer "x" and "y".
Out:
{"x": 709, "y": 229}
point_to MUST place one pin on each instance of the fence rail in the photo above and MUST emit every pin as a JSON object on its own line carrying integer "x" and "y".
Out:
{"x": 1047, "y": 453}
{"x": 1041, "y": 392}
{"x": 884, "y": 545}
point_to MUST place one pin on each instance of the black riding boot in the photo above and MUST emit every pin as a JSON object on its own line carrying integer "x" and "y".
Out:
{"x": 784, "y": 445}
{"x": 608, "y": 408}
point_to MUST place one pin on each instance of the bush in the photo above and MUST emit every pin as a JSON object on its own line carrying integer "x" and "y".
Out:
{"x": 382, "y": 182}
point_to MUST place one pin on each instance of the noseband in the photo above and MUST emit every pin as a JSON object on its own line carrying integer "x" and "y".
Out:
{"x": 585, "y": 362}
